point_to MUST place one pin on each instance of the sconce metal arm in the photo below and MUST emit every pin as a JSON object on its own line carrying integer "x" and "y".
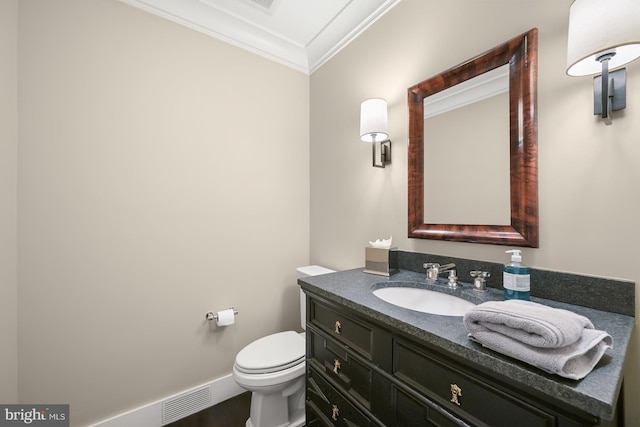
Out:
{"x": 605, "y": 96}
{"x": 610, "y": 92}
{"x": 385, "y": 153}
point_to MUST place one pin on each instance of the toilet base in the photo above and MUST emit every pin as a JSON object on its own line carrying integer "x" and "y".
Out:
{"x": 284, "y": 408}
{"x": 300, "y": 422}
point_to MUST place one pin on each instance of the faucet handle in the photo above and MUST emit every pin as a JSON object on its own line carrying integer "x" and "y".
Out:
{"x": 453, "y": 279}
{"x": 432, "y": 270}
{"x": 479, "y": 280}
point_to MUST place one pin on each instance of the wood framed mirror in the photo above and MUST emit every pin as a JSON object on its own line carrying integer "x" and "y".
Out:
{"x": 520, "y": 54}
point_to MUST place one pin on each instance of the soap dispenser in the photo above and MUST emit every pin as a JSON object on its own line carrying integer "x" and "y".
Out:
{"x": 516, "y": 278}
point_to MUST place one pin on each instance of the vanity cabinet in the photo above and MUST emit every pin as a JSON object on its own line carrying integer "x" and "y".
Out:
{"x": 361, "y": 372}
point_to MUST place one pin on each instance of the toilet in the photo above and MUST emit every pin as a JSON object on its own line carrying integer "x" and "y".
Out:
{"x": 272, "y": 368}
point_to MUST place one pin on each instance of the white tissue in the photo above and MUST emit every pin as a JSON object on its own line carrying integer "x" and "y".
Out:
{"x": 381, "y": 243}
{"x": 226, "y": 317}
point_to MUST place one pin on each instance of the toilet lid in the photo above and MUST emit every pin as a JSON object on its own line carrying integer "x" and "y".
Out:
{"x": 272, "y": 353}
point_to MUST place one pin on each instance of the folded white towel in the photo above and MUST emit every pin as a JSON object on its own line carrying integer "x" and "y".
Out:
{"x": 574, "y": 360}
{"x": 531, "y": 323}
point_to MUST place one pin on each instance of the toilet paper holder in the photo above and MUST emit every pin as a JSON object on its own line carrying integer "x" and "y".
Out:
{"x": 212, "y": 316}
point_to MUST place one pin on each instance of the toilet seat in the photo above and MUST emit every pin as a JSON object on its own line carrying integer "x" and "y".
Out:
{"x": 272, "y": 353}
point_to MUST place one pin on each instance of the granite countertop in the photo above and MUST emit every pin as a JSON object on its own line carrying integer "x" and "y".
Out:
{"x": 595, "y": 394}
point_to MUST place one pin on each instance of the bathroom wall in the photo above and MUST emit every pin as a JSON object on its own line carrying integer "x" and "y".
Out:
{"x": 589, "y": 173}
{"x": 161, "y": 174}
{"x": 8, "y": 202}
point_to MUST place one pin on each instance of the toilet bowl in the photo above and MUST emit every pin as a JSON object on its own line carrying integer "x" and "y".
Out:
{"x": 272, "y": 368}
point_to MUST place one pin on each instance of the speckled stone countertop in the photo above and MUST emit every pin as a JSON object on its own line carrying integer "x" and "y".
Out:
{"x": 596, "y": 394}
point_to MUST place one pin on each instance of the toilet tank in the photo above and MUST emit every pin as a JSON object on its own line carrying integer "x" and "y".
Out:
{"x": 306, "y": 271}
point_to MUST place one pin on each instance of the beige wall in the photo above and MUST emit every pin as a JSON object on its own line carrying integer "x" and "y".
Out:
{"x": 161, "y": 174}
{"x": 589, "y": 173}
{"x": 8, "y": 202}
{"x": 157, "y": 167}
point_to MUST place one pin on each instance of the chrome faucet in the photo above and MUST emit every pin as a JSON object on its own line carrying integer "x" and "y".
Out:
{"x": 480, "y": 280}
{"x": 434, "y": 270}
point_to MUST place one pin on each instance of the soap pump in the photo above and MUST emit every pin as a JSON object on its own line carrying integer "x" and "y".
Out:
{"x": 516, "y": 278}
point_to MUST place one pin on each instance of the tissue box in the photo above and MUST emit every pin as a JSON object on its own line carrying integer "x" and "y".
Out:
{"x": 381, "y": 261}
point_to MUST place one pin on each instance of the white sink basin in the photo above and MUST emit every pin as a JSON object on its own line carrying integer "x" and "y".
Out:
{"x": 424, "y": 300}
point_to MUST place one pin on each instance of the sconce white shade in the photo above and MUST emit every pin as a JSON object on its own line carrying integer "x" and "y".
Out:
{"x": 597, "y": 27}
{"x": 373, "y": 120}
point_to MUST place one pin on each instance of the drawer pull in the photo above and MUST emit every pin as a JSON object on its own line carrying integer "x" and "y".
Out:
{"x": 335, "y": 413}
{"x": 336, "y": 366}
{"x": 455, "y": 393}
{"x": 338, "y": 326}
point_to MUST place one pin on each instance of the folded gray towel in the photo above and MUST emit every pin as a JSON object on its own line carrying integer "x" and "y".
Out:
{"x": 574, "y": 360}
{"x": 531, "y": 323}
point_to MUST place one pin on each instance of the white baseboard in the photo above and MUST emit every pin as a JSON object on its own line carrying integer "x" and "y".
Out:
{"x": 155, "y": 414}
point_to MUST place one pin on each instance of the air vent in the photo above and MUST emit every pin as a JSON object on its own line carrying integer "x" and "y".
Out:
{"x": 263, "y": 3}
{"x": 266, "y": 6}
{"x": 186, "y": 404}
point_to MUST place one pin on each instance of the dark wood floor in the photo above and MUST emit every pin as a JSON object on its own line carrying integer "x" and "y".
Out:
{"x": 230, "y": 413}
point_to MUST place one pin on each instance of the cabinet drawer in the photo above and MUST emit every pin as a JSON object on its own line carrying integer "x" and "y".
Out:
{"x": 412, "y": 412}
{"x": 470, "y": 397}
{"x": 344, "y": 328}
{"x": 330, "y": 406}
{"x": 332, "y": 358}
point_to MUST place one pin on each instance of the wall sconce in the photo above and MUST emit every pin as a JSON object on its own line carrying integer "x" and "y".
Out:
{"x": 374, "y": 129}
{"x": 604, "y": 34}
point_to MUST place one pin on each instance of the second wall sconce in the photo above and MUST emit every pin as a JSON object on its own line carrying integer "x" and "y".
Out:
{"x": 374, "y": 129}
{"x": 604, "y": 34}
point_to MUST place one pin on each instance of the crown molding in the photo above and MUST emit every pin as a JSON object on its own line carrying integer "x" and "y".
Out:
{"x": 352, "y": 20}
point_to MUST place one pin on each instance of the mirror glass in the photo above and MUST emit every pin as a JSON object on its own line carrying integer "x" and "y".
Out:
{"x": 477, "y": 174}
{"x": 473, "y": 149}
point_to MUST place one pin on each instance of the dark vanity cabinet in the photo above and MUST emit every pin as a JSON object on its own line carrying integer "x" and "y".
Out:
{"x": 361, "y": 372}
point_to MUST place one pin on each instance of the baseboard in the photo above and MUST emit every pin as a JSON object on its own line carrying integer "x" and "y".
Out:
{"x": 176, "y": 406}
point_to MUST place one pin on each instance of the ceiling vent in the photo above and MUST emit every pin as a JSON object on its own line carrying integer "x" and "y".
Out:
{"x": 267, "y": 6}
{"x": 264, "y": 3}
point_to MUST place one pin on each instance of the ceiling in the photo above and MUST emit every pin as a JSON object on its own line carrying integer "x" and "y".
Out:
{"x": 301, "y": 34}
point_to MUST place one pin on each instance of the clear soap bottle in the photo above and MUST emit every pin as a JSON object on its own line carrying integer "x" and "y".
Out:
{"x": 516, "y": 278}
